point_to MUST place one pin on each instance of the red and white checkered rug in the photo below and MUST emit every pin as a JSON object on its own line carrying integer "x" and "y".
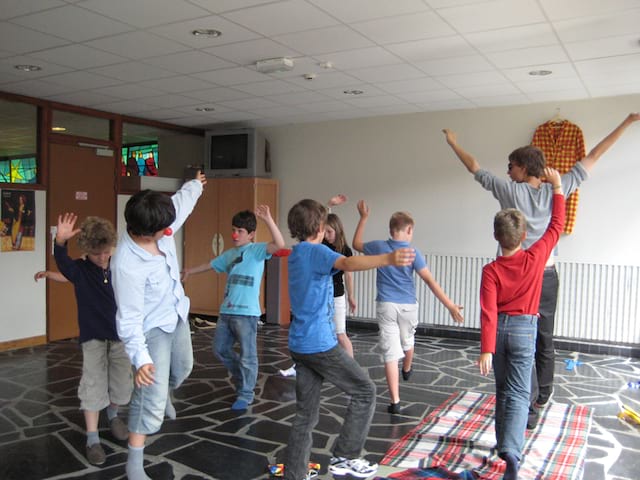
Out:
{"x": 459, "y": 436}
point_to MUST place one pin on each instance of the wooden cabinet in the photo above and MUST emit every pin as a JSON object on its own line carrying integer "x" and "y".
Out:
{"x": 207, "y": 232}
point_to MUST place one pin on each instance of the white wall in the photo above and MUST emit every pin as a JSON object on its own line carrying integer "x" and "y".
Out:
{"x": 403, "y": 163}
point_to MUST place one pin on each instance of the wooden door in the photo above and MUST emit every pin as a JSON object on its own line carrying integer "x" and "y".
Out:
{"x": 81, "y": 182}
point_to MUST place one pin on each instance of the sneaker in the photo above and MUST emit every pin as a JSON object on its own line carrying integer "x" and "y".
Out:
{"x": 543, "y": 399}
{"x": 119, "y": 429}
{"x": 394, "y": 408}
{"x": 357, "y": 467}
{"x": 239, "y": 405}
{"x": 95, "y": 454}
{"x": 407, "y": 375}
{"x": 532, "y": 418}
{"x": 289, "y": 372}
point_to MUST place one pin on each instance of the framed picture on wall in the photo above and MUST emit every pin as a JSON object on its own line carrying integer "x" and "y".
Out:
{"x": 18, "y": 221}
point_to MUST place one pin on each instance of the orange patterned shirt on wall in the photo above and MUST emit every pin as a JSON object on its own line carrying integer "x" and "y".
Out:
{"x": 563, "y": 145}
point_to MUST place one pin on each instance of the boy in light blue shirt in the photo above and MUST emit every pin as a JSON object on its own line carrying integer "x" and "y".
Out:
{"x": 240, "y": 310}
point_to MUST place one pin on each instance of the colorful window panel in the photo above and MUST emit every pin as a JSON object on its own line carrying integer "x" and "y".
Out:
{"x": 140, "y": 160}
{"x": 18, "y": 170}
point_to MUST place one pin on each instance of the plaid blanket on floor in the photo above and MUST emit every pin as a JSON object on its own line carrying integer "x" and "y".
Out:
{"x": 459, "y": 437}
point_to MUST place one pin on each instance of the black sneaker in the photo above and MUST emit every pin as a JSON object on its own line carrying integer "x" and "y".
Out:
{"x": 407, "y": 375}
{"x": 543, "y": 399}
{"x": 394, "y": 408}
{"x": 532, "y": 419}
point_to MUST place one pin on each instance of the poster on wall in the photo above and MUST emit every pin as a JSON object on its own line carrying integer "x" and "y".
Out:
{"x": 18, "y": 221}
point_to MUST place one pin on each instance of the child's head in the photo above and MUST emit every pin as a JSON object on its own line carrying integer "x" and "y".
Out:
{"x": 243, "y": 227}
{"x": 149, "y": 212}
{"x": 401, "y": 225}
{"x": 509, "y": 228}
{"x": 528, "y": 158}
{"x": 334, "y": 232}
{"x": 97, "y": 238}
{"x": 306, "y": 219}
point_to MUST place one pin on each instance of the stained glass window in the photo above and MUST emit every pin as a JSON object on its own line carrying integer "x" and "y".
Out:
{"x": 18, "y": 170}
{"x": 140, "y": 160}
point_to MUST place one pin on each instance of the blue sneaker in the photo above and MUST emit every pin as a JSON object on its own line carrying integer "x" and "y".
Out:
{"x": 240, "y": 404}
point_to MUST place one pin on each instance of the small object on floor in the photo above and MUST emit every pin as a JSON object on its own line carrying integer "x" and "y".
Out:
{"x": 633, "y": 385}
{"x": 571, "y": 363}
{"x": 240, "y": 405}
{"x": 356, "y": 467}
{"x": 289, "y": 372}
{"x": 394, "y": 408}
{"x": 628, "y": 413}
{"x": 202, "y": 324}
{"x": 277, "y": 469}
{"x": 95, "y": 454}
{"x": 407, "y": 375}
{"x": 119, "y": 429}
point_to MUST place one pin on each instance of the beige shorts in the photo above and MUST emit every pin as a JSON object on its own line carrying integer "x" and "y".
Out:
{"x": 340, "y": 314}
{"x": 106, "y": 375}
{"x": 397, "y": 323}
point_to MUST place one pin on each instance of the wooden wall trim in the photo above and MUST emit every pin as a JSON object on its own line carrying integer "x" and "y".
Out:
{"x": 23, "y": 343}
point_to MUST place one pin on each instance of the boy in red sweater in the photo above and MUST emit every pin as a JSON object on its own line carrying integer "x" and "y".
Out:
{"x": 509, "y": 299}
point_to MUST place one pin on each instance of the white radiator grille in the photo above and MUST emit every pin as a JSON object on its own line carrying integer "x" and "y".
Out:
{"x": 595, "y": 302}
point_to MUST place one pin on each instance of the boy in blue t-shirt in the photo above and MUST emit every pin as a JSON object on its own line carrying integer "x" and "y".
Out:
{"x": 240, "y": 309}
{"x": 314, "y": 347}
{"x": 396, "y": 305}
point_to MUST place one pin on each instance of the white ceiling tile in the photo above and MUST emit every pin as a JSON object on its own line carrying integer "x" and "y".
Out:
{"x": 131, "y": 91}
{"x": 270, "y": 87}
{"x": 277, "y": 111}
{"x": 559, "y": 70}
{"x": 326, "y": 79}
{"x": 359, "y": 58}
{"x": 394, "y": 109}
{"x": 323, "y": 40}
{"x": 386, "y": 73}
{"x": 232, "y": 76}
{"x": 429, "y": 96}
{"x": 191, "y": 61}
{"x": 86, "y": 98}
{"x": 454, "y": 65}
{"x": 249, "y": 104}
{"x": 137, "y": 45}
{"x": 217, "y": 94}
{"x": 367, "y": 91}
{"x": 219, "y": 6}
{"x": 615, "y": 90}
{"x": 82, "y": 80}
{"x": 528, "y": 56}
{"x": 36, "y": 88}
{"x": 609, "y": 66}
{"x": 125, "y": 107}
{"x": 441, "y": 47}
{"x": 605, "y": 79}
{"x": 301, "y": 65}
{"x": 8, "y": 65}
{"x": 145, "y": 13}
{"x": 492, "y": 15}
{"x": 404, "y": 28}
{"x": 549, "y": 84}
{"x": 603, "y": 47}
{"x": 178, "y": 84}
{"x": 233, "y": 116}
{"x": 9, "y": 77}
{"x": 79, "y": 56}
{"x": 500, "y": 101}
{"x": 357, "y": 10}
{"x": 326, "y": 106}
{"x": 168, "y": 101}
{"x": 526, "y": 36}
{"x": 281, "y": 17}
{"x": 299, "y": 98}
{"x": 132, "y": 71}
{"x": 600, "y": 26}
{"x": 374, "y": 101}
{"x": 72, "y": 23}
{"x": 559, "y": 95}
{"x": 419, "y": 84}
{"x": 193, "y": 109}
{"x": 466, "y": 80}
{"x": 492, "y": 90}
{"x": 247, "y": 53}
{"x": 17, "y": 39}
{"x": 556, "y": 10}
{"x": 451, "y": 3}
{"x": 453, "y": 104}
{"x": 15, "y": 8}
{"x": 182, "y": 32}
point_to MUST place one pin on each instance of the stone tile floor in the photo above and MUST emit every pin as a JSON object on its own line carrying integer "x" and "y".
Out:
{"x": 42, "y": 437}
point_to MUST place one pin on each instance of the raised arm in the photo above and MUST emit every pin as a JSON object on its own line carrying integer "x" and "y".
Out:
{"x": 468, "y": 160}
{"x": 336, "y": 200}
{"x": 592, "y": 157}
{"x": 193, "y": 270}
{"x": 64, "y": 229}
{"x": 399, "y": 258}
{"x": 277, "y": 242}
{"x": 358, "y": 243}
{"x": 454, "y": 310}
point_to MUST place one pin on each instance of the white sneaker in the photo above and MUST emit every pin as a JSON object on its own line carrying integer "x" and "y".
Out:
{"x": 357, "y": 467}
{"x": 289, "y": 372}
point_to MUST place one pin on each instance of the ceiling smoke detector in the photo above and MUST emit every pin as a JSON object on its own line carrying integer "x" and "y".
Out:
{"x": 273, "y": 65}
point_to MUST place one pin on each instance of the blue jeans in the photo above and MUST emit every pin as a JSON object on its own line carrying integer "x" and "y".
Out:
{"x": 337, "y": 367}
{"x": 172, "y": 356}
{"x": 243, "y": 367}
{"x": 512, "y": 363}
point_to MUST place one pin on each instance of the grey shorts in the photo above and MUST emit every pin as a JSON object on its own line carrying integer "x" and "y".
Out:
{"x": 397, "y": 323}
{"x": 106, "y": 375}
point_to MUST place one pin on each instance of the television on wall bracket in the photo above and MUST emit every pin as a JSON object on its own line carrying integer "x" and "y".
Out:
{"x": 236, "y": 153}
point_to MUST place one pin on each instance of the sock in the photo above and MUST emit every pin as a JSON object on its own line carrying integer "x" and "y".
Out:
{"x": 112, "y": 412}
{"x": 135, "y": 464}
{"x": 511, "y": 472}
{"x": 92, "y": 438}
{"x": 169, "y": 409}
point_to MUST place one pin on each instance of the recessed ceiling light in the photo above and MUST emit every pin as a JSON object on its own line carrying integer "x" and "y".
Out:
{"x": 205, "y": 109}
{"x": 58, "y": 129}
{"x": 353, "y": 92}
{"x": 206, "y": 32}
{"x": 541, "y": 73}
{"x": 28, "y": 68}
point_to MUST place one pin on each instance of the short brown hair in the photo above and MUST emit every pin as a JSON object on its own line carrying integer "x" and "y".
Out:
{"x": 96, "y": 234}
{"x": 399, "y": 221}
{"x": 509, "y": 225}
{"x": 530, "y": 158}
{"x": 305, "y": 219}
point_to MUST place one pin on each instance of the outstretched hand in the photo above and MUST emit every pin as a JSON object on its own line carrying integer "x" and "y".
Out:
{"x": 263, "y": 212}
{"x": 450, "y": 136}
{"x": 337, "y": 200}
{"x": 403, "y": 257}
{"x": 363, "y": 209}
{"x": 65, "y": 229}
{"x": 201, "y": 177}
{"x": 456, "y": 313}
{"x": 552, "y": 176}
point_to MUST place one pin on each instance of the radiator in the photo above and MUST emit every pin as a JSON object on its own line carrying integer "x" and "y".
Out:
{"x": 595, "y": 302}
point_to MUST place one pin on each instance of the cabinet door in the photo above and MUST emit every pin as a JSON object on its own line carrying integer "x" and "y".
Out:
{"x": 200, "y": 234}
